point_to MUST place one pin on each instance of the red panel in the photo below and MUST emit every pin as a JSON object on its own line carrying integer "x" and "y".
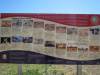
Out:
{"x": 67, "y": 19}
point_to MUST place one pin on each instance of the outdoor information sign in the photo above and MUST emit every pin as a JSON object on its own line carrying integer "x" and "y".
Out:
{"x": 49, "y": 38}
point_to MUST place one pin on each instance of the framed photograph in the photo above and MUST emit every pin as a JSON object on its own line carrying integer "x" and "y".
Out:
{"x": 50, "y": 27}
{"x": 49, "y": 44}
{"x": 71, "y": 31}
{"x": 60, "y": 46}
{"x": 17, "y": 39}
{"x": 6, "y": 23}
{"x": 38, "y": 24}
{"x": 72, "y": 48}
{"x": 83, "y": 49}
{"x": 94, "y": 48}
{"x": 27, "y": 39}
{"x": 27, "y": 23}
{"x": 95, "y": 31}
{"x": 60, "y": 29}
{"x": 17, "y": 22}
{"x": 5, "y": 40}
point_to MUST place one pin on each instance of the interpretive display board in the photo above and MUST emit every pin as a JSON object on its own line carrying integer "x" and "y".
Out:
{"x": 62, "y": 38}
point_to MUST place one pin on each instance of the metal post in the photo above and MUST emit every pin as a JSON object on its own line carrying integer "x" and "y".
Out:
{"x": 19, "y": 69}
{"x": 79, "y": 70}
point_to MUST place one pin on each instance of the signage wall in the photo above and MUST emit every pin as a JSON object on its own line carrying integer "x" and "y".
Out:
{"x": 65, "y": 36}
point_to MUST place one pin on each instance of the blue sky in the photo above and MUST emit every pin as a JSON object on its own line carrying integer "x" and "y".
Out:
{"x": 50, "y": 6}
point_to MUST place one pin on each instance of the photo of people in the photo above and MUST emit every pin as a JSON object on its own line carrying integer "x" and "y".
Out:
{"x": 27, "y": 39}
{"x": 17, "y": 39}
{"x": 72, "y": 48}
{"x": 83, "y": 49}
{"x": 38, "y": 24}
{"x": 94, "y": 48}
{"x": 60, "y": 29}
{"x": 95, "y": 31}
{"x": 60, "y": 46}
{"x": 17, "y": 22}
{"x": 38, "y": 41}
{"x": 49, "y": 27}
{"x": 49, "y": 44}
{"x": 27, "y": 23}
{"x": 5, "y": 40}
{"x": 71, "y": 31}
{"x": 6, "y": 23}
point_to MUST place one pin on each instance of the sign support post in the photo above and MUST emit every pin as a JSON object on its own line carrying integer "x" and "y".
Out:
{"x": 19, "y": 69}
{"x": 79, "y": 70}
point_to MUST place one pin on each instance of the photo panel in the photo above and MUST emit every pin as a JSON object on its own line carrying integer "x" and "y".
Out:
{"x": 50, "y": 47}
{"x": 61, "y": 34}
{"x": 61, "y": 50}
{"x": 94, "y": 34}
{"x": 38, "y": 24}
{"x": 5, "y": 43}
{"x": 50, "y": 27}
{"x": 27, "y": 39}
{"x": 95, "y": 31}
{"x": 38, "y": 45}
{"x": 17, "y": 39}
{"x": 60, "y": 29}
{"x": 27, "y": 23}
{"x": 17, "y": 43}
{"x": 17, "y": 22}
{"x": 16, "y": 26}
{"x": 38, "y": 29}
{"x": 72, "y": 33}
{"x": 49, "y": 44}
{"x": 94, "y": 48}
{"x": 83, "y": 49}
{"x": 6, "y": 23}
{"x": 5, "y": 28}
{"x": 60, "y": 45}
{"x": 5, "y": 40}
{"x": 83, "y": 52}
{"x": 27, "y": 29}
{"x": 72, "y": 46}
